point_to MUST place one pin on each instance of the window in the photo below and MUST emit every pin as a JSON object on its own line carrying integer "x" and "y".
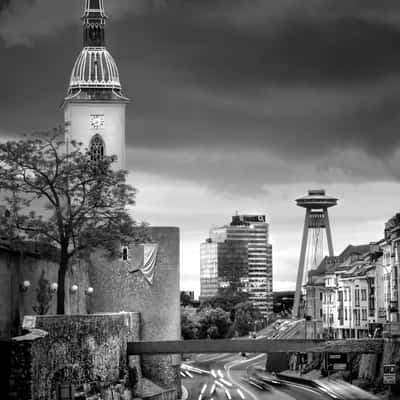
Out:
{"x": 357, "y": 297}
{"x": 357, "y": 317}
{"x": 363, "y": 294}
{"x": 125, "y": 253}
{"x": 371, "y": 297}
{"x": 345, "y": 314}
{"x": 340, "y": 316}
{"x": 320, "y": 296}
{"x": 364, "y": 314}
{"x": 97, "y": 148}
{"x": 340, "y": 295}
{"x": 320, "y": 312}
{"x": 345, "y": 294}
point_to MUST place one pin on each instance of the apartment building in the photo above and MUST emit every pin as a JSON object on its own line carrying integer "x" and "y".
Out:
{"x": 347, "y": 293}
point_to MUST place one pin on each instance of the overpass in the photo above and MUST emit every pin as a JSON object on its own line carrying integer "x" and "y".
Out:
{"x": 366, "y": 346}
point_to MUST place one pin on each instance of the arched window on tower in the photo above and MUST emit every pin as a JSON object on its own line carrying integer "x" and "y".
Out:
{"x": 97, "y": 148}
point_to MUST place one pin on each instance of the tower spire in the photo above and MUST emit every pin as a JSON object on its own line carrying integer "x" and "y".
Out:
{"x": 94, "y": 20}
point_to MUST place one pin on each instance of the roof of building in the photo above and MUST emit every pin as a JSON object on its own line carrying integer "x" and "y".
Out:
{"x": 392, "y": 227}
{"x": 94, "y": 69}
{"x": 345, "y": 260}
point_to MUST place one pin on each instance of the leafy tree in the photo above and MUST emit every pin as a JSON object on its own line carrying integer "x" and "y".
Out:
{"x": 189, "y": 325}
{"x": 227, "y": 300}
{"x": 185, "y": 299}
{"x": 245, "y": 316}
{"x": 214, "y": 323}
{"x": 64, "y": 198}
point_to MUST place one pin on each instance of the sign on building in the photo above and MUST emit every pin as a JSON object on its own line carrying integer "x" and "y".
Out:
{"x": 336, "y": 361}
{"x": 389, "y": 374}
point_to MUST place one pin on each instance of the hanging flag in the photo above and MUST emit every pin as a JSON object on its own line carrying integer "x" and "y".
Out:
{"x": 143, "y": 257}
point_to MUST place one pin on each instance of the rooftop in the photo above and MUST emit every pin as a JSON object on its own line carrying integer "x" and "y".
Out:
{"x": 351, "y": 253}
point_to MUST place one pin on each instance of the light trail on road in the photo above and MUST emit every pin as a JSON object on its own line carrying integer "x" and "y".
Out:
{"x": 239, "y": 385}
{"x": 233, "y": 366}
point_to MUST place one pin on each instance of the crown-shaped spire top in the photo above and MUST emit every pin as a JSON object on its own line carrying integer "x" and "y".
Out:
{"x": 94, "y": 9}
{"x": 94, "y": 20}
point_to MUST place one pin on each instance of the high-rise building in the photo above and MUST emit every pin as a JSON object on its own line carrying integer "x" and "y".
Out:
{"x": 239, "y": 256}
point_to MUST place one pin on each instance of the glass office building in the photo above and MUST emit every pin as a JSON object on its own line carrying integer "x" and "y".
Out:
{"x": 239, "y": 255}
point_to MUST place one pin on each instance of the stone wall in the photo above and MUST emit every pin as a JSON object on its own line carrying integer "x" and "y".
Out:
{"x": 5, "y": 351}
{"x": 71, "y": 350}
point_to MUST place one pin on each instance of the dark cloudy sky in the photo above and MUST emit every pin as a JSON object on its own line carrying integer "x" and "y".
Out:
{"x": 236, "y": 105}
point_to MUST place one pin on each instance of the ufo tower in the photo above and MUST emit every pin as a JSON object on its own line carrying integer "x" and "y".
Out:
{"x": 316, "y": 223}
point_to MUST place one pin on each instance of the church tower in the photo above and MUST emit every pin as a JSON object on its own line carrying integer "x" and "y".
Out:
{"x": 94, "y": 109}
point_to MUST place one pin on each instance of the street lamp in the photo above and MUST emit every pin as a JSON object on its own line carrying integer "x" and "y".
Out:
{"x": 24, "y": 286}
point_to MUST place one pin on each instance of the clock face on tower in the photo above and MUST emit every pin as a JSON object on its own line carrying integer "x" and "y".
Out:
{"x": 97, "y": 121}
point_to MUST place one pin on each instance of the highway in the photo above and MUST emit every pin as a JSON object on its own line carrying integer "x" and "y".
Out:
{"x": 234, "y": 377}
{"x": 226, "y": 376}
{"x": 234, "y": 370}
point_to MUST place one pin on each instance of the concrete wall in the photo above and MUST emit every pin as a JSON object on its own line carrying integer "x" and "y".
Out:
{"x": 28, "y": 264}
{"x": 15, "y": 268}
{"x": 116, "y": 289}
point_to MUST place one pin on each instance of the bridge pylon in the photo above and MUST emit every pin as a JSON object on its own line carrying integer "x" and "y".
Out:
{"x": 316, "y": 222}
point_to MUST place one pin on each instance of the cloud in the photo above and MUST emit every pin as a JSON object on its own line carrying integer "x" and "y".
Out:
{"x": 238, "y": 172}
{"x": 195, "y": 209}
{"x": 22, "y": 21}
{"x": 217, "y": 74}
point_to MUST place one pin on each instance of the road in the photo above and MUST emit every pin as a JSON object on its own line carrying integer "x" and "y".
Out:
{"x": 235, "y": 369}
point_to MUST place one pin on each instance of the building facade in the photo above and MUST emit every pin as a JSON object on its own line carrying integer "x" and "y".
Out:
{"x": 356, "y": 293}
{"x": 239, "y": 256}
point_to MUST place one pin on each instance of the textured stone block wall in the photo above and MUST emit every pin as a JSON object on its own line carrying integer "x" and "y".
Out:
{"x": 71, "y": 350}
{"x": 5, "y": 351}
{"x": 20, "y": 375}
